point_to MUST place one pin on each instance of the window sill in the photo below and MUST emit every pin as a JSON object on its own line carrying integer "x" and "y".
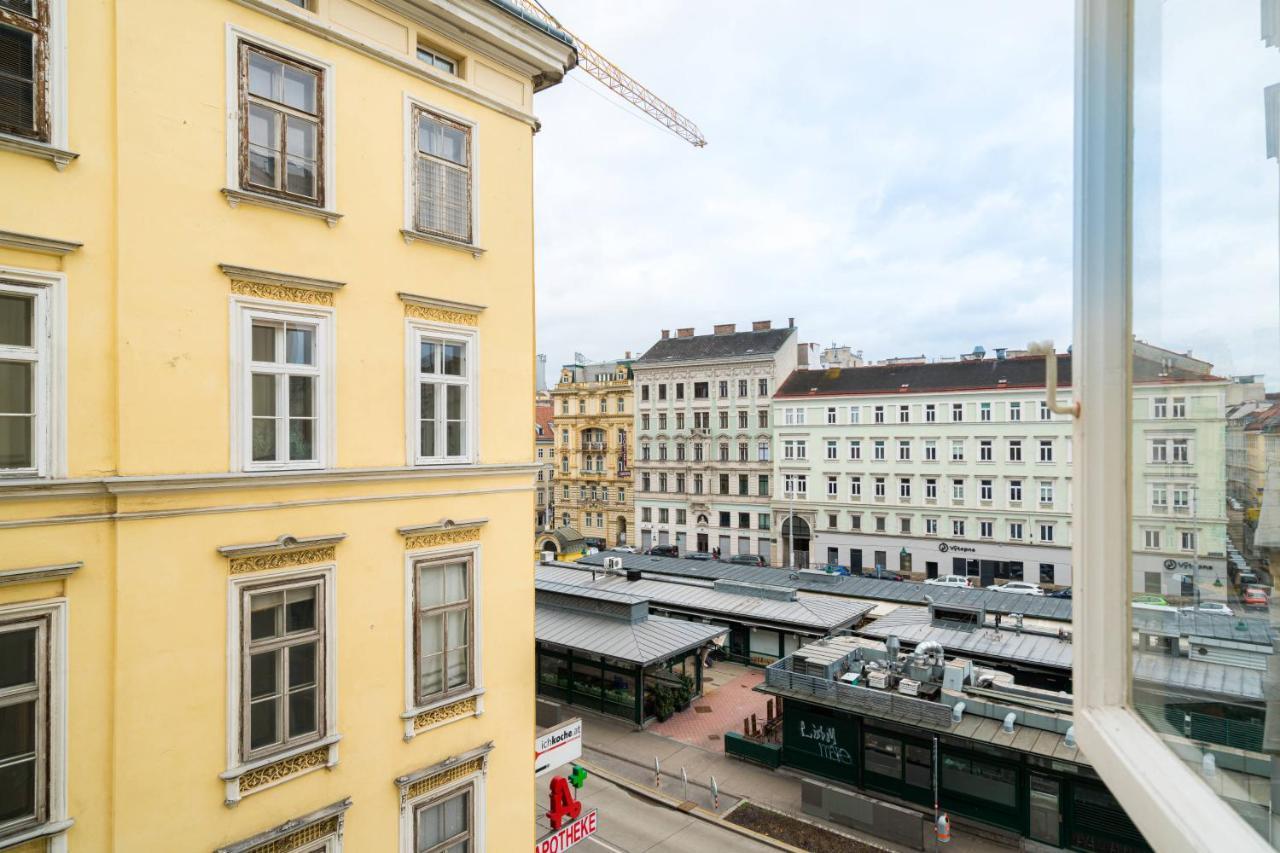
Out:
{"x": 459, "y": 706}
{"x": 410, "y": 236}
{"x": 269, "y": 771}
{"x": 44, "y": 830}
{"x": 236, "y": 197}
{"x": 32, "y": 148}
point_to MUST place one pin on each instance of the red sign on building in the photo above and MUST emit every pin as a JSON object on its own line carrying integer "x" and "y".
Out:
{"x": 569, "y": 835}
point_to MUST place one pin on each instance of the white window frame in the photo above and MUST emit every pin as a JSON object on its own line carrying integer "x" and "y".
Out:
{"x": 243, "y": 312}
{"x": 56, "y": 822}
{"x": 409, "y": 810}
{"x": 410, "y": 230}
{"x": 855, "y": 414}
{"x": 414, "y": 330}
{"x": 55, "y": 78}
{"x": 235, "y": 35}
{"x": 1015, "y": 411}
{"x": 49, "y": 292}
{"x": 329, "y": 737}
{"x": 1172, "y": 806}
{"x": 1015, "y": 531}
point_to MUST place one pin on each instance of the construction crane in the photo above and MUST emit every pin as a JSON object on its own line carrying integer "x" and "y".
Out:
{"x": 621, "y": 83}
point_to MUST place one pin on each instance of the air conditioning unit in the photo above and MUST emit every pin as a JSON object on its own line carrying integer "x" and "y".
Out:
{"x": 909, "y": 687}
{"x": 548, "y": 556}
{"x": 879, "y": 679}
{"x": 613, "y": 564}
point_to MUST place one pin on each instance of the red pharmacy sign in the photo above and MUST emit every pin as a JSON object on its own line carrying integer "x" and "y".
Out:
{"x": 564, "y": 838}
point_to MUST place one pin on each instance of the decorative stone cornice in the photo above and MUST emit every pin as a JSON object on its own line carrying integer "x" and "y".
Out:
{"x": 455, "y": 767}
{"x": 280, "y": 279}
{"x": 294, "y": 834}
{"x": 282, "y": 553}
{"x": 32, "y": 243}
{"x": 446, "y": 531}
{"x": 37, "y": 573}
{"x": 440, "y": 310}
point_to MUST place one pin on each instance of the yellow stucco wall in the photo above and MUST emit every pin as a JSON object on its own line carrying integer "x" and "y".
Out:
{"x": 148, "y": 385}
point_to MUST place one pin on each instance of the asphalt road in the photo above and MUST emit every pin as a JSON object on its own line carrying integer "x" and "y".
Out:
{"x": 632, "y": 824}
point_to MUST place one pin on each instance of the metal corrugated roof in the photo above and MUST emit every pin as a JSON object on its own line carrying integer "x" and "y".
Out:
{"x": 654, "y": 639}
{"x": 598, "y": 594}
{"x": 903, "y": 592}
{"x": 807, "y": 612}
{"x": 915, "y": 626}
{"x": 1183, "y": 623}
{"x": 1199, "y": 676}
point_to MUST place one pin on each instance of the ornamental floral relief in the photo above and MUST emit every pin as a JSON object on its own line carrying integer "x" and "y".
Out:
{"x": 254, "y": 779}
{"x": 464, "y": 708}
{"x": 302, "y": 837}
{"x": 281, "y": 293}
{"x": 444, "y": 537}
{"x": 440, "y": 315}
{"x": 444, "y": 777}
{"x": 282, "y": 559}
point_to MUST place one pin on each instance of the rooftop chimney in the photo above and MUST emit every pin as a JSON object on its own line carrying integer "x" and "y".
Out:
{"x": 665, "y": 334}
{"x": 628, "y": 354}
{"x": 724, "y": 328}
{"x": 685, "y": 333}
{"x": 762, "y": 325}
{"x": 802, "y": 355}
{"x": 791, "y": 322}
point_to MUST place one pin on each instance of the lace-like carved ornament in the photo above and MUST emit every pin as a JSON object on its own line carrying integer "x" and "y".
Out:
{"x": 439, "y": 315}
{"x": 281, "y": 293}
{"x": 282, "y": 559}
{"x": 255, "y": 779}
{"x": 444, "y": 777}
{"x": 444, "y": 713}
{"x": 444, "y": 537}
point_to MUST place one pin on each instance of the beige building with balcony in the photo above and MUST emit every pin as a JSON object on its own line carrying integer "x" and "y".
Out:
{"x": 592, "y": 405}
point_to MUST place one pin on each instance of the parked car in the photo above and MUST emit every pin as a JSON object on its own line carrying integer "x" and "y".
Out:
{"x": 882, "y": 574}
{"x": 1215, "y": 607}
{"x": 697, "y": 555}
{"x": 1255, "y": 599}
{"x": 748, "y": 560}
{"x": 1019, "y": 588}
{"x": 1065, "y": 592}
{"x": 664, "y": 551}
{"x": 950, "y": 580}
{"x": 1149, "y": 598}
{"x": 624, "y": 549}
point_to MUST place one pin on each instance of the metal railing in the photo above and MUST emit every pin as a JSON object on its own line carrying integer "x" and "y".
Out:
{"x": 881, "y": 703}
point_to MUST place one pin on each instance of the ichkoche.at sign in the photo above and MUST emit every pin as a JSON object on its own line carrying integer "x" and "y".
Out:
{"x": 557, "y": 747}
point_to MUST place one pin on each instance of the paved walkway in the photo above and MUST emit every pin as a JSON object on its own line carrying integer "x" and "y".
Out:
{"x": 630, "y": 753}
{"x": 727, "y": 699}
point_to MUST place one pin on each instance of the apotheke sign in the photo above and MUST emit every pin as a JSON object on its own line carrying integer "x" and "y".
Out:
{"x": 944, "y": 547}
{"x": 568, "y": 835}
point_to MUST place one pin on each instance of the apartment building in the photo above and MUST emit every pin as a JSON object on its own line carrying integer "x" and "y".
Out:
{"x": 592, "y": 408}
{"x": 266, "y": 273}
{"x": 703, "y": 433}
{"x": 960, "y": 467}
{"x": 544, "y": 441}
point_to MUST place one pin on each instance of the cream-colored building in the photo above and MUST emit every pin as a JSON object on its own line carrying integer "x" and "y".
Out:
{"x": 266, "y": 281}
{"x": 592, "y": 406}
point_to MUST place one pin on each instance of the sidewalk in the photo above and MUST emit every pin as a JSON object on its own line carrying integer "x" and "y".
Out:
{"x": 617, "y": 746}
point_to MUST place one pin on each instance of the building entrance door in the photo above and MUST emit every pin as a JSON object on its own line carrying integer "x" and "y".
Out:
{"x": 646, "y": 539}
{"x": 680, "y": 541}
{"x": 725, "y": 553}
{"x": 987, "y": 572}
{"x": 1046, "y": 815}
{"x": 703, "y": 544}
{"x": 855, "y": 560}
{"x": 663, "y": 537}
{"x": 931, "y": 568}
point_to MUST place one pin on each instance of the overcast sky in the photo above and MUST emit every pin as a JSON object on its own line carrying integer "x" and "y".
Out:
{"x": 896, "y": 176}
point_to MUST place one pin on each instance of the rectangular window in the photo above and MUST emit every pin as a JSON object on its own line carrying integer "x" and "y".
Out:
{"x": 904, "y": 524}
{"x": 762, "y": 521}
{"x": 879, "y": 487}
{"x": 1015, "y": 411}
{"x": 742, "y": 420}
{"x": 1181, "y": 451}
{"x": 877, "y": 449}
{"x": 1046, "y": 450}
{"x": 679, "y": 390}
{"x": 762, "y": 485}
{"x": 644, "y": 394}
{"x": 904, "y": 488}
{"x": 444, "y": 824}
{"x": 1187, "y": 540}
{"x": 282, "y": 125}
{"x": 931, "y": 526}
{"x": 1015, "y": 450}
{"x": 985, "y": 489}
{"x": 724, "y": 420}
{"x": 442, "y": 177}
{"x": 762, "y": 418}
{"x": 24, "y": 68}
{"x": 723, "y": 480}
{"x": 878, "y": 414}
{"x": 762, "y": 451}
{"x": 957, "y": 450}
{"x": 986, "y": 529}
{"x": 957, "y": 527}
{"x": 283, "y": 664}
{"x": 1151, "y": 539}
{"x": 646, "y": 513}
{"x": 855, "y": 450}
{"x": 985, "y": 450}
{"x": 880, "y": 524}
{"x": 931, "y": 489}
{"x": 984, "y": 411}
{"x": 744, "y": 487}
{"x": 904, "y": 414}
{"x": 1160, "y": 407}
{"x": 855, "y": 522}
{"x": 1015, "y": 491}
{"x": 855, "y": 414}
{"x": 723, "y": 388}
{"x": 664, "y": 515}
{"x": 793, "y": 416}
{"x": 855, "y": 488}
{"x": 1046, "y": 492}
{"x": 1015, "y": 531}
{"x": 831, "y": 414}
{"x": 437, "y": 60}
{"x": 762, "y": 387}
{"x": 1045, "y": 413}
{"x": 957, "y": 490}
{"x": 832, "y": 449}
{"x": 446, "y": 403}
{"x": 930, "y": 450}
{"x": 285, "y": 396}
{"x": 724, "y": 519}
{"x": 1159, "y": 451}
{"x": 682, "y": 516}
{"x": 833, "y": 488}
{"x": 904, "y": 450}
{"x": 742, "y": 387}
{"x": 443, "y": 628}
{"x": 26, "y": 376}
{"x": 930, "y": 413}
{"x": 1046, "y": 532}
{"x": 26, "y": 699}
{"x": 1179, "y": 409}
{"x": 957, "y": 412}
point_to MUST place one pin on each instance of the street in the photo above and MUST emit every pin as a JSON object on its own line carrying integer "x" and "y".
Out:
{"x": 633, "y": 824}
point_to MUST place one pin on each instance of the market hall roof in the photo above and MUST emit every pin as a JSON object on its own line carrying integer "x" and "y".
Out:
{"x": 763, "y": 342}
{"x": 966, "y": 375}
{"x": 804, "y": 612}
{"x": 613, "y": 624}
{"x": 901, "y": 592}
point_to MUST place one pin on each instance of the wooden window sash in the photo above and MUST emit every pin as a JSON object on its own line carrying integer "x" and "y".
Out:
{"x": 38, "y": 26}
{"x": 318, "y": 118}
{"x": 468, "y": 605}
{"x": 419, "y": 190}
{"x": 40, "y": 692}
{"x": 466, "y": 834}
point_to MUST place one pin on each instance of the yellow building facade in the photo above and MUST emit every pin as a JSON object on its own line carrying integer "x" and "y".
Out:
{"x": 266, "y": 339}
{"x": 592, "y": 406}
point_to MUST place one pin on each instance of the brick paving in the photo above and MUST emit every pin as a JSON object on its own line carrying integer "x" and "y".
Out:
{"x": 729, "y": 697}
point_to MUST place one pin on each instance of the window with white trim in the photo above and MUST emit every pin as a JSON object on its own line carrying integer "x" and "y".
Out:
{"x": 1046, "y": 532}
{"x": 931, "y": 527}
{"x": 26, "y": 700}
{"x": 957, "y": 527}
{"x": 446, "y": 823}
{"x": 287, "y": 378}
{"x": 1015, "y": 411}
{"x": 833, "y": 486}
{"x": 855, "y": 450}
{"x": 1015, "y": 491}
{"x": 443, "y": 179}
{"x": 878, "y": 414}
{"x": 831, "y": 414}
{"x": 25, "y": 69}
{"x": 443, "y": 397}
{"x": 931, "y": 488}
{"x": 930, "y": 413}
{"x": 957, "y": 450}
{"x": 1187, "y": 540}
{"x": 904, "y": 488}
{"x": 27, "y": 376}
{"x": 855, "y": 414}
{"x": 855, "y": 488}
{"x": 1015, "y": 531}
{"x": 904, "y": 450}
{"x": 877, "y": 449}
{"x": 443, "y": 629}
{"x": 930, "y": 450}
{"x": 1151, "y": 539}
{"x": 282, "y": 125}
{"x": 832, "y": 448}
{"x": 986, "y": 529}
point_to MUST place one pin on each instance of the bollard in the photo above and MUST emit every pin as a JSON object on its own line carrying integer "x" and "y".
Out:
{"x": 754, "y": 730}
{"x": 657, "y": 773}
{"x": 715, "y": 795}
{"x": 684, "y": 785}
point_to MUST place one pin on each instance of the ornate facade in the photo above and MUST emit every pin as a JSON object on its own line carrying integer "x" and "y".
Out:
{"x": 592, "y": 407}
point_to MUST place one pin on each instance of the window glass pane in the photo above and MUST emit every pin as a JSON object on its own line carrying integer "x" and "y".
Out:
{"x": 302, "y": 712}
{"x": 299, "y": 89}
{"x": 17, "y": 70}
{"x": 1206, "y": 352}
{"x": 16, "y": 442}
{"x": 264, "y": 165}
{"x": 264, "y": 439}
{"x": 263, "y": 670}
{"x": 264, "y": 343}
{"x": 302, "y": 665}
{"x": 300, "y": 176}
{"x": 427, "y": 352}
{"x": 263, "y": 724}
{"x": 300, "y": 342}
{"x": 17, "y": 730}
{"x": 17, "y": 790}
{"x": 16, "y": 381}
{"x": 264, "y": 130}
{"x": 17, "y": 315}
{"x": 17, "y": 657}
{"x": 427, "y": 439}
{"x": 26, "y": 7}
{"x": 455, "y": 444}
{"x": 301, "y": 396}
{"x": 301, "y": 439}
{"x": 453, "y": 355}
{"x": 455, "y": 582}
{"x": 456, "y": 811}
{"x": 264, "y": 75}
{"x": 442, "y": 140}
{"x": 430, "y": 586}
{"x": 265, "y": 615}
{"x": 300, "y": 612}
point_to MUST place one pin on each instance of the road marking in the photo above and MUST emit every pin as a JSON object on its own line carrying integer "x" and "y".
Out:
{"x": 606, "y": 845}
